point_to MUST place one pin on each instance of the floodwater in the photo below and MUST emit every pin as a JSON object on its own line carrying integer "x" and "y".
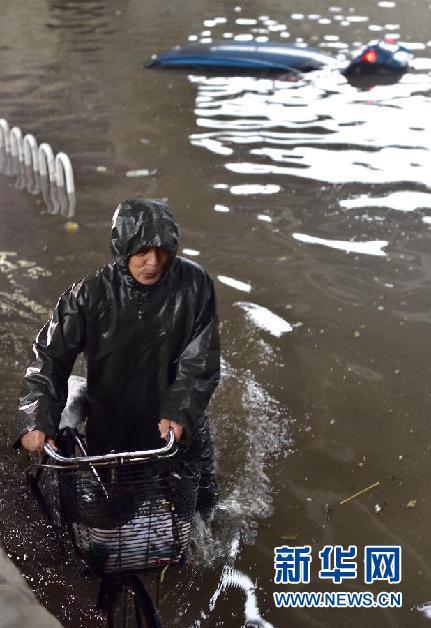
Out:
{"x": 309, "y": 204}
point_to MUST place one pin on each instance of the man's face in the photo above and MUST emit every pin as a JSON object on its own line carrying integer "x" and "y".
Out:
{"x": 147, "y": 266}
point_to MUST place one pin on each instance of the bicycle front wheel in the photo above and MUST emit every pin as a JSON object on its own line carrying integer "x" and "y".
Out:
{"x": 131, "y": 606}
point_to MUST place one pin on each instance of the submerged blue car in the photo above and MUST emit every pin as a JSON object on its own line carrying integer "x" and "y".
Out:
{"x": 378, "y": 57}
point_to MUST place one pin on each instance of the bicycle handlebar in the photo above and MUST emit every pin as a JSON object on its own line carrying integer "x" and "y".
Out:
{"x": 125, "y": 455}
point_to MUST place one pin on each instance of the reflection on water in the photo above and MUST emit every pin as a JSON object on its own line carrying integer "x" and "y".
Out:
{"x": 265, "y": 319}
{"x": 191, "y": 252}
{"x": 248, "y": 189}
{"x": 332, "y": 132}
{"x": 400, "y": 201}
{"x": 221, "y": 208}
{"x": 234, "y": 283}
{"x": 364, "y": 248}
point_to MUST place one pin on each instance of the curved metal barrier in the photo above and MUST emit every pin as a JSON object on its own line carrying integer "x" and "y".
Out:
{"x": 17, "y": 156}
{"x": 5, "y": 160}
{"x": 38, "y": 169}
{"x": 64, "y": 178}
{"x": 4, "y": 134}
{"x": 31, "y": 163}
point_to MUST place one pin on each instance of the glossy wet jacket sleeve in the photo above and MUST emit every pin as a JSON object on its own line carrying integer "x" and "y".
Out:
{"x": 44, "y": 390}
{"x": 198, "y": 369}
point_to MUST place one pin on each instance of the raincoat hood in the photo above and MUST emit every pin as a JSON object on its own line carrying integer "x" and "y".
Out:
{"x": 138, "y": 224}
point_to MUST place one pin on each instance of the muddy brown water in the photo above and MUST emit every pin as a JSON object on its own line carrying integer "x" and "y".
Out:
{"x": 309, "y": 204}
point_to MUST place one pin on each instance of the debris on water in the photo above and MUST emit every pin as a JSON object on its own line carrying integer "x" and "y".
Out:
{"x": 411, "y": 503}
{"x": 357, "y": 334}
{"x": 364, "y": 490}
{"x": 328, "y": 511}
{"x": 290, "y": 537}
{"x": 377, "y": 509}
{"x": 144, "y": 172}
{"x": 162, "y": 574}
{"x": 101, "y": 169}
{"x": 71, "y": 227}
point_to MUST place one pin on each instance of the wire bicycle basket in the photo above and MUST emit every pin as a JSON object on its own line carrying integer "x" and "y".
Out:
{"x": 124, "y": 515}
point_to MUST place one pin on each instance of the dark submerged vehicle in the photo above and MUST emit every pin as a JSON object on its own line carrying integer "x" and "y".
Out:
{"x": 244, "y": 55}
{"x": 384, "y": 58}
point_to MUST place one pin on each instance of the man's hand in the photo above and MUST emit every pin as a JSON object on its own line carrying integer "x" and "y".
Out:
{"x": 35, "y": 440}
{"x": 166, "y": 424}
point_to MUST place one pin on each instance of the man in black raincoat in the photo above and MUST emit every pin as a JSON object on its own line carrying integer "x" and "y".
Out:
{"x": 148, "y": 328}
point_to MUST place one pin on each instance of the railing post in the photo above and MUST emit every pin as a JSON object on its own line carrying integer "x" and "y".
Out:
{"x": 47, "y": 178}
{"x": 15, "y": 140}
{"x": 17, "y": 155}
{"x": 4, "y": 135}
{"x": 63, "y": 165}
{"x": 64, "y": 171}
{"x": 31, "y": 163}
{"x": 46, "y": 162}
{"x": 31, "y": 151}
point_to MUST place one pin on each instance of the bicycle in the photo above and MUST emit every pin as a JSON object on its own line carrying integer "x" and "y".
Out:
{"x": 125, "y": 513}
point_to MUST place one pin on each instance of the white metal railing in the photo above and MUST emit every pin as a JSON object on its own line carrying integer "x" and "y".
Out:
{"x": 4, "y": 134}
{"x": 15, "y": 141}
{"x": 38, "y": 169}
{"x": 31, "y": 152}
